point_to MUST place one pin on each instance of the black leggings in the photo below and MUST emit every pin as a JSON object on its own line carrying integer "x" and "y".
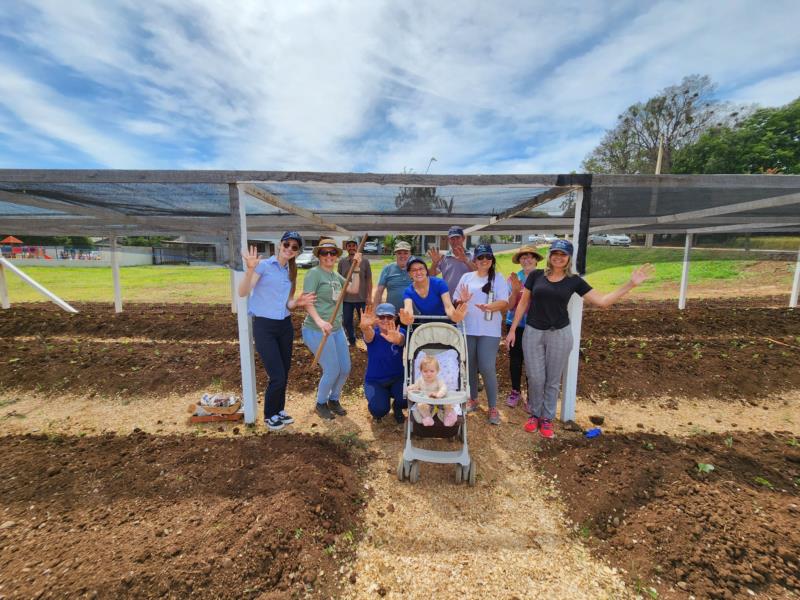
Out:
{"x": 273, "y": 338}
{"x": 516, "y": 359}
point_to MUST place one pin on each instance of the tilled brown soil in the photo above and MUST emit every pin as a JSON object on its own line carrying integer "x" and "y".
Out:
{"x": 142, "y": 516}
{"x": 734, "y": 349}
{"x": 643, "y": 503}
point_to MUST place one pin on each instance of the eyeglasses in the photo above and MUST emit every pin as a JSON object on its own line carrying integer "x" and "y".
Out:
{"x": 328, "y": 253}
{"x": 417, "y": 270}
{"x": 386, "y": 317}
{"x": 484, "y": 257}
{"x": 294, "y": 247}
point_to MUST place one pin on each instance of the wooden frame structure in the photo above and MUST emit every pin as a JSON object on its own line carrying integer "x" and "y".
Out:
{"x": 65, "y": 202}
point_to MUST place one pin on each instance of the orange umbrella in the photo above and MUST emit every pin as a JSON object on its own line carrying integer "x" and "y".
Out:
{"x": 11, "y": 240}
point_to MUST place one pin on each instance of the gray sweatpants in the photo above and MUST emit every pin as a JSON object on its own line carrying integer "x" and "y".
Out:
{"x": 546, "y": 355}
{"x": 482, "y": 353}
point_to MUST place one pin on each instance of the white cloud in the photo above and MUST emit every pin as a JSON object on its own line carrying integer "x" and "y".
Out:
{"x": 378, "y": 85}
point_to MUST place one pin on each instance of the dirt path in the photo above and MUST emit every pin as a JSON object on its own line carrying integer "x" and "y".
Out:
{"x": 504, "y": 538}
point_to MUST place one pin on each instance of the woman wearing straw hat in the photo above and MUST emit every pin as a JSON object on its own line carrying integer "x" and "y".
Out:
{"x": 548, "y": 335}
{"x": 526, "y": 257}
{"x": 270, "y": 285}
{"x": 327, "y": 285}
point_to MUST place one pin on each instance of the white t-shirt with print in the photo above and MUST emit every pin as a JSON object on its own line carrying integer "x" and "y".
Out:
{"x": 475, "y": 322}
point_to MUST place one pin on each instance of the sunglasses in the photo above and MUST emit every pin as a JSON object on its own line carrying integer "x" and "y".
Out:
{"x": 328, "y": 253}
{"x": 294, "y": 247}
{"x": 484, "y": 257}
{"x": 386, "y": 317}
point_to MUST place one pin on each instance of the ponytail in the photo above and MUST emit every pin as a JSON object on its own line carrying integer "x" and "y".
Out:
{"x": 487, "y": 287}
{"x": 293, "y": 275}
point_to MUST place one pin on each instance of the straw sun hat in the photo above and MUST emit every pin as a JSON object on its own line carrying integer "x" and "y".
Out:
{"x": 327, "y": 243}
{"x": 526, "y": 250}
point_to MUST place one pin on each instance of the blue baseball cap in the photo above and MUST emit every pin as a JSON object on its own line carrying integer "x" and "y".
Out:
{"x": 293, "y": 235}
{"x": 454, "y": 231}
{"x": 483, "y": 250}
{"x": 563, "y": 246}
{"x": 385, "y": 309}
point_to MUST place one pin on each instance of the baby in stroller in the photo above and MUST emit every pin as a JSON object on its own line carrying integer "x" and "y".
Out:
{"x": 435, "y": 387}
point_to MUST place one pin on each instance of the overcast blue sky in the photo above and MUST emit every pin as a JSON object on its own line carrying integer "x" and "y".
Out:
{"x": 485, "y": 87}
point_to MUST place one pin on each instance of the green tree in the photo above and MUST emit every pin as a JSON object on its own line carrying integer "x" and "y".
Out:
{"x": 678, "y": 116}
{"x": 768, "y": 141}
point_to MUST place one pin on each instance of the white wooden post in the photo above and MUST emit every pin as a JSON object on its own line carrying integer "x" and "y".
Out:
{"x": 795, "y": 283}
{"x": 37, "y": 286}
{"x": 4, "y": 302}
{"x": 685, "y": 271}
{"x": 232, "y": 250}
{"x": 115, "y": 274}
{"x": 246, "y": 354}
{"x": 575, "y": 310}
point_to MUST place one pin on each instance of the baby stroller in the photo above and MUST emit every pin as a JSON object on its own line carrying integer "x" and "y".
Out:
{"x": 439, "y": 337}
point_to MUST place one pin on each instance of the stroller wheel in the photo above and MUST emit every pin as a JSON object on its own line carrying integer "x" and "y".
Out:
{"x": 401, "y": 469}
{"x": 459, "y": 476}
{"x": 413, "y": 474}
{"x": 473, "y": 472}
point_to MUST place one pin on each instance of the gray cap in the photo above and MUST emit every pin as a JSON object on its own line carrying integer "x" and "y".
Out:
{"x": 386, "y": 308}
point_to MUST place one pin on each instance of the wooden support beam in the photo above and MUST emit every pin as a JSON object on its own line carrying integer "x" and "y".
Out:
{"x": 523, "y": 207}
{"x": 36, "y": 285}
{"x": 685, "y": 272}
{"x": 272, "y": 200}
{"x": 4, "y": 301}
{"x": 115, "y": 274}
{"x": 795, "y": 283}
{"x": 727, "y": 209}
{"x": 246, "y": 355}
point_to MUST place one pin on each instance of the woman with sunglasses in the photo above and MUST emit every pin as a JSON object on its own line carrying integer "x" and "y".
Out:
{"x": 428, "y": 296}
{"x": 383, "y": 380}
{"x": 270, "y": 285}
{"x": 548, "y": 335}
{"x": 327, "y": 284}
{"x": 485, "y": 293}
{"x": 526, "y": 257}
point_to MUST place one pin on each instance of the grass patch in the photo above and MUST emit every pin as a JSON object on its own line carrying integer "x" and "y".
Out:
{"x": 607, "y": 268}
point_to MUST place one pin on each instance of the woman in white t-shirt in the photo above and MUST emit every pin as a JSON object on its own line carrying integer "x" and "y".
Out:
{"x": 486, "y": 294}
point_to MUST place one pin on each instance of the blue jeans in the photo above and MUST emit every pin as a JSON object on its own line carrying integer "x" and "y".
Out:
{"x": 348, "y": 322}
{"x": 334, "y": 360}
{"x": 379, "y": 393}
{"x": 273, "y": 338}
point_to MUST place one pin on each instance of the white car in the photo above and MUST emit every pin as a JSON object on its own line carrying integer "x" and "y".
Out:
{"x": 306, "y": 260}
{"x": 609, "y": 239}
{"x": 371, "y": 248}
{"x": 542, "y": 238}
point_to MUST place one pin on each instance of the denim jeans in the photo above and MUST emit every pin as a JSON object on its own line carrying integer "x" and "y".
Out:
{"x": 380, "y": 392}
{"x": 273, "y": 339}
{"x": 348, "y": 321}
{"x": 334, "y": 360}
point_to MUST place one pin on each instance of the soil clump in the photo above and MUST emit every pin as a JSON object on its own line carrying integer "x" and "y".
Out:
{"x": 143, "y": 516}
{"x": 713, "y": 515}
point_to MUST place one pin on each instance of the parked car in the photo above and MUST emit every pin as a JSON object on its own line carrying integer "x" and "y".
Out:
{"x": 610, "y": 239}
{"x": 306, "y": 260}
{"x": 371, "y": 248}
{"x": 542, "y": 238}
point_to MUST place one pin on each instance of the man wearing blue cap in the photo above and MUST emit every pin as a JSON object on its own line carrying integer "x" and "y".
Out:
{"x": 383, "y": 380}
{"x": 453, "y": 264}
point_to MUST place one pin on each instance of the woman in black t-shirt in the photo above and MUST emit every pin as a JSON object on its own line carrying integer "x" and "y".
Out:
{"x": 548, "y": 337}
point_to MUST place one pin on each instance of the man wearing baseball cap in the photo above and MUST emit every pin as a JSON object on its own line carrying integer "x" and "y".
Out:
{"x": 453, "y": 264}
{"x": 354, "y": 303}
{"x": 394, "y": 277}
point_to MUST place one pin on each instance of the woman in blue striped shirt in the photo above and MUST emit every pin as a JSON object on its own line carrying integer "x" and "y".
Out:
{"x": 271, "y": 284}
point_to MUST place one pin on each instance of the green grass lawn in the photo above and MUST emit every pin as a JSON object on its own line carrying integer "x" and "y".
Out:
{"x": 607, "y": 268}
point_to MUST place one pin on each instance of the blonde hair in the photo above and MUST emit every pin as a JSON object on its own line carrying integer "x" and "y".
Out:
{"x": 429, "y": 361}
{"x": 567, "y": 268}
